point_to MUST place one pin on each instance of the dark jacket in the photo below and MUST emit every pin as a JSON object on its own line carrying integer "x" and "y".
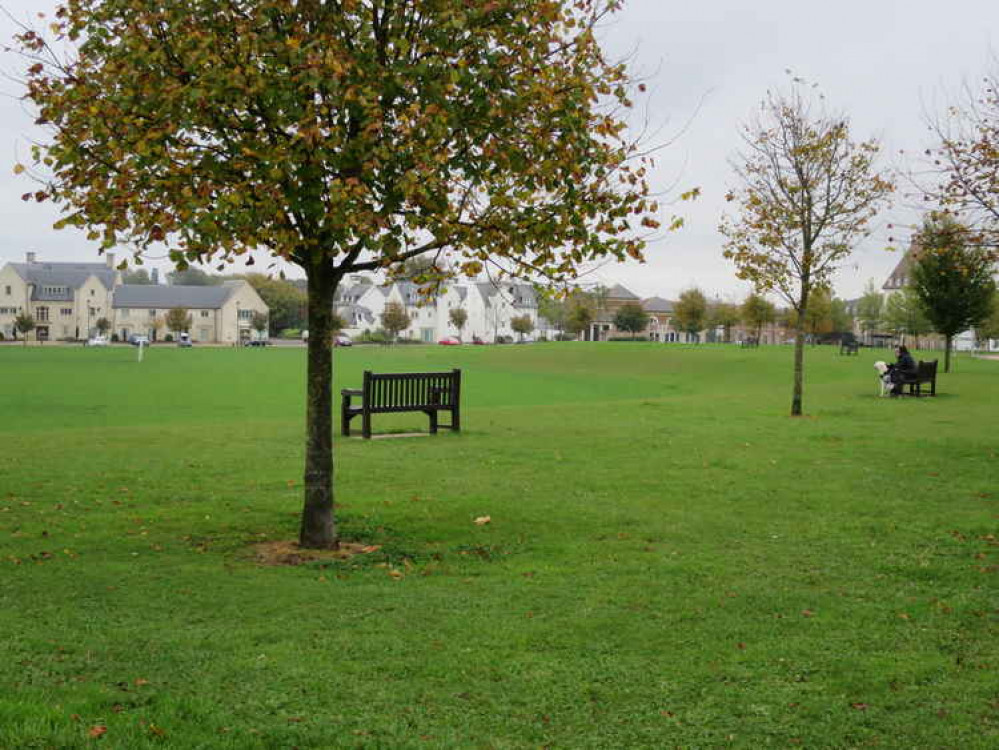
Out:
{"x": 906, "y": 363}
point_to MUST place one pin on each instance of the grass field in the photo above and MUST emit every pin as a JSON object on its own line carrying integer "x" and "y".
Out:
{"x": 671, "y": 562}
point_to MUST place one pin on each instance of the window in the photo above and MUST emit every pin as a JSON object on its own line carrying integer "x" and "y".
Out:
{"x": 42, "y": 313}
{"x": 152, "y": 313}
{"x": 92, "y": 292}
{"x": 67, "y": 311}
{"x": 245, "y": 314}
{"x": 7, "y": 290}
{"x": 204, "y": 313}
{"x": 53, "y": 290}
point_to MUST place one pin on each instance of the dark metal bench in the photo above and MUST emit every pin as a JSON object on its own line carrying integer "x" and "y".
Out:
{"x": 383, "y": 393}
{"x": 750, "y": 342}
{"x": 926, "y": 372}
{"x": 849, "y": 347}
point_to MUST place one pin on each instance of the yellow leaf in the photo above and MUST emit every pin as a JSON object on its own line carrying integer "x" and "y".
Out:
{"x": 483, "y": 520}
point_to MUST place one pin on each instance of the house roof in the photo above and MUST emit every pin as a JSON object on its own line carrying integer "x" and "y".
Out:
{"x": 619, "y": 292}
{"x": 657, "y": 304}
{"x": 899, "y": 277}
{"x": 148, "y": 295}
{"x": 69, "y": 276}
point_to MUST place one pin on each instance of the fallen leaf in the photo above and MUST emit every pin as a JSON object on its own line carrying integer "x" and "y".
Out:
{"x": 859, "y": 706}
{"x": 371, "y": 548}
{"x": 483, "y": 520}
{"x": 807, "y": 613}
{"x": 97, "y": 731}
{"x": 139, "y": 681}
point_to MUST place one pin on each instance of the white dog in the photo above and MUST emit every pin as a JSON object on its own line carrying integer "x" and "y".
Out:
{"x": 884, "y": 377}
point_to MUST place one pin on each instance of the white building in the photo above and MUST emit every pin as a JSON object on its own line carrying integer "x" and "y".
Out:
{"x": 489, "y": 308}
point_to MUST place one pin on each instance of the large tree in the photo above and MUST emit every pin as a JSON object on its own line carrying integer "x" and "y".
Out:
{"x": 191, "y": 276}
{"x": 341, "y": 137}
{"x": 966, "y": 161}
{"x": 690, "y": 313}
{"x": 989, "y": 328}
{"x": 631, "y": 317}
{"x": 285, "y": 301}
{"x": 137, "y": 276}
{"x": 952, "y": 279}
{"x": 807, "y": 193}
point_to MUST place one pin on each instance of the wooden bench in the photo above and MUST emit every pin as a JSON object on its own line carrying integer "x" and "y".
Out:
{"x": 926, "y": 372}
{"x": 383, "y": 393}
{"x": 849, "y": 347}
{"x": 750, "y": 343}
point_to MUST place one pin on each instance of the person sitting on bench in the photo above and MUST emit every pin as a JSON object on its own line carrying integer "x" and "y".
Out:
{"x": 904, "y": 367}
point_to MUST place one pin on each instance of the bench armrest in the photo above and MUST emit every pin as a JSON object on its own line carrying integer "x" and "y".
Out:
{"x": 351, "y": 392}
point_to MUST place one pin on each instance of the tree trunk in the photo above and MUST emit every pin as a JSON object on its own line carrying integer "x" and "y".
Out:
{"x": 948, "y": 342}
{"x": 799, "y": 370}
{"x": 318, "y": 529}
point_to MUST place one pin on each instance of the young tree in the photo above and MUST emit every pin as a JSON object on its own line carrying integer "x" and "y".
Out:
{"x": 395, "y": 319}
{"x": 178, "y": 320}
{"x": 818, "y": 319}
{"x": 631, "y": 317}
{"x": 341, "y": 137}
{"x": 807, "y": 194}
{"x": 553, "y": 309}
{"x": 757, "y": 312}
{"x": 458, "y": 316}
{"x": 103, "y": 325}
{"x": 522, "y": 325}
{"x": 690, "y": 314}
{"x": 952, "y": 280}
{"x": 839, "y": 316}
{"x": 726, "y": 316}
{"x": 904, "y": 315}
{"x": 579, "y": 317}
{"x": 259, "y": 322}
{"x": 24, "y": 324}
{"x": 870, "y": 308}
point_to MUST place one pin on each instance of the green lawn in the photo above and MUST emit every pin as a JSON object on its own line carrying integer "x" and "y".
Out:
{"x": 671, "y": 562}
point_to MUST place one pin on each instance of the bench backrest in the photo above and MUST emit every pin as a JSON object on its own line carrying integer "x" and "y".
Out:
{"x": 411, "y": 391}
{"x": 926, "y": 370}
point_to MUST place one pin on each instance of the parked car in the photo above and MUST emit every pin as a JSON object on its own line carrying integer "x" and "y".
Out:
{"x": 449, "y": 341}
{"x": 258, "y": 342}
{"x": 342, "y": 340}
{"x": 137, "y": 340}
{"x": 477, "y": 341}
{"x": 98, "y": 340}
{"x": 184, "y": 341}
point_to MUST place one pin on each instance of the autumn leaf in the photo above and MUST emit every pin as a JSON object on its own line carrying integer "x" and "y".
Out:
{"x": 97, "y": 731}
{"x": 483, "y": 520}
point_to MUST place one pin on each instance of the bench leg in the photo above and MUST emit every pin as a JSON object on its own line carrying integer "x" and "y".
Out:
{"x": 366, "y": 424}
{"x": 344, "y": 419}
{"x": 455, "y": 418}
{"x": 432, "y": 413}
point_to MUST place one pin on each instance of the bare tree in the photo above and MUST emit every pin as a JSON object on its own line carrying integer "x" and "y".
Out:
{"x": 807, "y": 193}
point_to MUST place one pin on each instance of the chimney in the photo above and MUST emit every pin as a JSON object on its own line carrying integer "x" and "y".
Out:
{"x": 155, "y": 276}
{"x": 30, "y": 257}
{"x": 110, "y": 260}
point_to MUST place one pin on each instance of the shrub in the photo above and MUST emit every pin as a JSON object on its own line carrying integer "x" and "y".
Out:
{"x": 628, "y": 338}
{"x": 168, "y": 338}
{"x": 291, "y": 333}
{"x": 114, "y": 338}
{"x": 565, "y": 337}
{"x": 504, "y": 339}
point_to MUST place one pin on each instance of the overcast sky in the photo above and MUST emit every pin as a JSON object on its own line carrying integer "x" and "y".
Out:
{"x": 885, "y": 63}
